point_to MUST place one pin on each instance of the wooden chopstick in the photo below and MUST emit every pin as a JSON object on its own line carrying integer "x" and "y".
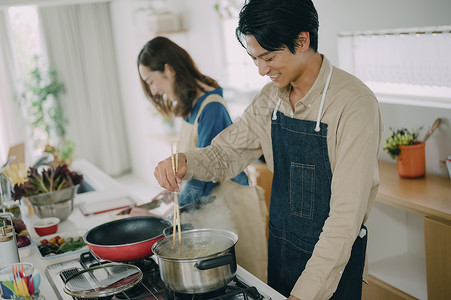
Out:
{"x": 176, "y": 195}
{"x": 176, "y": 218}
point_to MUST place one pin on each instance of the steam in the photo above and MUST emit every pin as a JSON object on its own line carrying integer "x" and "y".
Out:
{"x": 208, "y": 212}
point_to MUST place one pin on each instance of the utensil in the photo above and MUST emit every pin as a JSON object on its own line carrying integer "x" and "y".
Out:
{"x": 205, "y": 262}
{"x": 36, "y": 278}
{"x": 19, "y": 283}
{"x": 176, "y": 216}
{"x": 433, "y": 128}
{"x": 126, "y": 239}
{"x": 9, "y": 285}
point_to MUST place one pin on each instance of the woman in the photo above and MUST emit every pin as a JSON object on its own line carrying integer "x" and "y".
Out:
{"x": 173, "y": 83}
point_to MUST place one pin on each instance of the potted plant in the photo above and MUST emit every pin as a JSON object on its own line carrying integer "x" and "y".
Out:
{"x": 404, "y": 146}
{"x": 51, "y": 191}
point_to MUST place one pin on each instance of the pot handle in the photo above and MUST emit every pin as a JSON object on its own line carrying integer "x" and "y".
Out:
{"x": 214, "y": 262}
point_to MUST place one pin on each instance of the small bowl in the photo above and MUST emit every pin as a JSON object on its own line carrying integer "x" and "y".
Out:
{"x": 26, "y": 251}
{"x": 46, "y": 226}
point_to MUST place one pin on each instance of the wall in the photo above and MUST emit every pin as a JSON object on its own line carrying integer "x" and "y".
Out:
{"x": 349, "y": 15}
{"x": 203, "y": 41}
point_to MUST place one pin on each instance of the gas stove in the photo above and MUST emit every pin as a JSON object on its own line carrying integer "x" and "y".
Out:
{"x": 243, "y": 285}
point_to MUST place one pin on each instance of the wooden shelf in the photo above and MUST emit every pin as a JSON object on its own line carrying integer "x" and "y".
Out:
{"x": 398, "y": 235}
{"x": 428, "y": 196}
{"x": 406, "y": 272}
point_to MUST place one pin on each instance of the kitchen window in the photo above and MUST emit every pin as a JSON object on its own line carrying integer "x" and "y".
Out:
{"x": 20, "y": 38}
{"x": 241, "y": 72}
{"x": 404, "y": 66}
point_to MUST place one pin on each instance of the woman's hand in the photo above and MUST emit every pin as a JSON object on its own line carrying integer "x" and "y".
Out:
{"x": 165, "y": 174}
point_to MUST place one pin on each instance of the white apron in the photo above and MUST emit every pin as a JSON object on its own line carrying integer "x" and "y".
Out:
{"x": 244, "y": 206}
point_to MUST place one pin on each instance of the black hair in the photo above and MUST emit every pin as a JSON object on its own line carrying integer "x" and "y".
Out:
{"x": 276, "y": 24}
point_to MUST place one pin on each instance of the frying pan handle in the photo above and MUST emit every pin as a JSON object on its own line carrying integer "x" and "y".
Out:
{"x": 215, "y": 262}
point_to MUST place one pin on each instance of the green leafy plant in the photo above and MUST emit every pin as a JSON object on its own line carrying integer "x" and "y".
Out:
{"x": 53, "y": 178}
{"x": 64, "y": 153}
{"x": 40, "y": 98}
{"x": 400, "y": 137}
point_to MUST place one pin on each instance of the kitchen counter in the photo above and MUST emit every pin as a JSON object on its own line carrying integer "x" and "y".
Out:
{"x": 428, "y": 196}
{"x": 104, "y": 188}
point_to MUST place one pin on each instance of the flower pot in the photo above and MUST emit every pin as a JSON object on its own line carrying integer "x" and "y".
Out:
{"x": 411, "y": 161}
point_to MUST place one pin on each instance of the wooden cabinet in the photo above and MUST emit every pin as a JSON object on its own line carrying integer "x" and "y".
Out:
{"x": 263, "y": 177}
{"x": 378, "y": 290}
{"x": 409, "y": 238}
{"x": 438, "y": 258}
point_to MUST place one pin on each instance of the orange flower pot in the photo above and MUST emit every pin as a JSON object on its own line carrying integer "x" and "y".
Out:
{"x": 411, "y": 161}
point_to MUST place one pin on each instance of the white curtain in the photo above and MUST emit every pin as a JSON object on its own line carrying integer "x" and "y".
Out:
{"x": 79, "y": 42}
{"x": 417, "y": 56}
{"x": 12, "y": 125}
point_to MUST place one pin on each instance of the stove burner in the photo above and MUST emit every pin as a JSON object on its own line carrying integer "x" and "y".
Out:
{"x": 151, "y": 287}
{"x": 201, "y": 296}
{"x": 132, "y": 292}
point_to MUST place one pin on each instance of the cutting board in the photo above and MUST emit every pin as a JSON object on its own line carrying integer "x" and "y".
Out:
{"x": 103, "y": 206}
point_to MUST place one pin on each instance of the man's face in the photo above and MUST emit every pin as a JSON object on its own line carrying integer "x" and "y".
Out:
{"x": 282, "y": 66}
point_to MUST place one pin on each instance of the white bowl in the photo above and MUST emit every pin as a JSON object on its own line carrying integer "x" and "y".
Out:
{"x": 26, "y": 251}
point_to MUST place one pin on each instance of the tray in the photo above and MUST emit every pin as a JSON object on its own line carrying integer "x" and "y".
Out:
{"x": 94, "y": 208}
{"x": 64, "y": 235}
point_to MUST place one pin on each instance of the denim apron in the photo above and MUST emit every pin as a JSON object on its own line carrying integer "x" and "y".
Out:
{"x": 299, "y": 206}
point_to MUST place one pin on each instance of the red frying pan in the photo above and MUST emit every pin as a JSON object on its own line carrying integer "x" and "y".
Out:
{"x": 126, "y": 239}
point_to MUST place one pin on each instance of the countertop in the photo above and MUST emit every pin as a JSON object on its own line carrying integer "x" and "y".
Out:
{"x": 105, "y": 188}
{"x": 428, "y": 196}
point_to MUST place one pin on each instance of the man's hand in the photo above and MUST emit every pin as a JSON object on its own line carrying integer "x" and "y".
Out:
{"x": 165, "y": 174}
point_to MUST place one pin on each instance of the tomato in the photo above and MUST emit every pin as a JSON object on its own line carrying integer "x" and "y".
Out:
{"x": 44, "y": 241}
{"x": 52, "y": 241}
{"x": 60, "y": 241}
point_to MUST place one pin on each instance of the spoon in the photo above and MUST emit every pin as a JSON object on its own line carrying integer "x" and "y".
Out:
{"x": 430, "y": 131}
{"x": 9, "y": 285}
{"x": 36, "y": 281}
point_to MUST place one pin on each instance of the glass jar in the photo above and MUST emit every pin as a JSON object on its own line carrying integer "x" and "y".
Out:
{"x": 12, "y": 207}
{"x": 35, "y": 296}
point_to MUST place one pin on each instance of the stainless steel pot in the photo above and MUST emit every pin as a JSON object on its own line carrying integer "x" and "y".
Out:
{"x": 205, "y": 262}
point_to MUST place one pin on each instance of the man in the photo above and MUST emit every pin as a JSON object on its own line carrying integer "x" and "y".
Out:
{"x": 319, "y": 129}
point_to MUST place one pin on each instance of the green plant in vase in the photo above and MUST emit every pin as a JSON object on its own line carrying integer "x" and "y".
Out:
{"x": 400, "y": 137}
{"x": 404, "y": 146}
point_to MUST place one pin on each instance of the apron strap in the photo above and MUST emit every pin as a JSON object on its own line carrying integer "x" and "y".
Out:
{"x": 326, "y": 86}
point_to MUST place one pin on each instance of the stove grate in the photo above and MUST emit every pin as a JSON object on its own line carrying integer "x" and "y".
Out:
{"x": 151, "y": 287}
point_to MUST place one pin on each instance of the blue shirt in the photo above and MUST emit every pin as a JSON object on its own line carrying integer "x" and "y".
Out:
{"x": 213, "y": 119}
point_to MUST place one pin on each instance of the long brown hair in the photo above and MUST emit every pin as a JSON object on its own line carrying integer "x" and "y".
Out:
{"x": 160, "y": 51}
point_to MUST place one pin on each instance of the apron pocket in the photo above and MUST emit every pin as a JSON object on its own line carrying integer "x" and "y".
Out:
{"x": 287, "y": 257}
{"x": 302, "y": 187}
{"x": 294, "y": 241}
